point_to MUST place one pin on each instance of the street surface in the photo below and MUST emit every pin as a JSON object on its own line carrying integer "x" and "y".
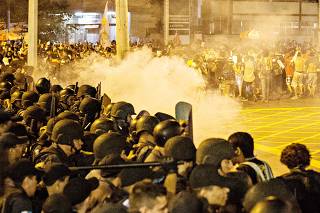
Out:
{"x": 277, "y": 124}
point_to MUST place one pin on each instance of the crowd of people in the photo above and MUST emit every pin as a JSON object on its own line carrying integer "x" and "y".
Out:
{"x": 71, "y": 149}
{"x": 255, "y": 72}
{"x": 260, "y": 71}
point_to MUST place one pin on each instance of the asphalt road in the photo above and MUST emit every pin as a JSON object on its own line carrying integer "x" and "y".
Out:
{"x": 276, "y": 124}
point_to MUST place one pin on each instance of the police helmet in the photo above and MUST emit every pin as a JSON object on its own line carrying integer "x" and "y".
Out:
{"x": 65, "y": 131}
{"x": 101, "y": 126}
{"x": 43, "y": 86}
{"x": 121, "y": 110}
{"x": 165, "y": 130}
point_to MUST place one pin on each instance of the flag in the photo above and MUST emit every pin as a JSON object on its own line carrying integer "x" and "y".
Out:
{"x": 105, "y": 29}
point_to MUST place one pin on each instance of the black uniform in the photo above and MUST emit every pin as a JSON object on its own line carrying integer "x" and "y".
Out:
{"x": 305, "y": 185}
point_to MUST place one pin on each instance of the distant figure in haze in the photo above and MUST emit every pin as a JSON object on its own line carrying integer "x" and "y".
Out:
{"x": 176, "y": 40}
{"x": 248, "y": 77}
{"x": 312, "y": 66}
{"x": 298, "y": 75}
{"x": 265, "y": 75}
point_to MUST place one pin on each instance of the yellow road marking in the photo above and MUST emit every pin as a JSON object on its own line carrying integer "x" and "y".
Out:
{"x": 302, "y": 140}
{"x": 278, "y": 108}
{"x": 288, "y": 130}
{"x": 285, "y": 120}
{"x": 277, "y": 149}
{"x": 266, "y": 116}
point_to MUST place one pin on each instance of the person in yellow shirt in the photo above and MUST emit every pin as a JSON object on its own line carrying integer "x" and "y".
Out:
{"x": 248, "y": 76}
{"x": 297, "y": 81}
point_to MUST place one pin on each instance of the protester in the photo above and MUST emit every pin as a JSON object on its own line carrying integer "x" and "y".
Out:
{"x": 243, "y": 145}
{"x": 24, "y": 185}
{"x": 302, "y": 182}
{"x": 53, "y": 137}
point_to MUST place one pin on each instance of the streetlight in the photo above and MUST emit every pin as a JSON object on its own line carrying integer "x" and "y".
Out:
{"x": 8, "y": 14}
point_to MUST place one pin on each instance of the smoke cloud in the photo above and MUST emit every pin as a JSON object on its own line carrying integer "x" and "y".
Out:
{"x": 156, "y": 85}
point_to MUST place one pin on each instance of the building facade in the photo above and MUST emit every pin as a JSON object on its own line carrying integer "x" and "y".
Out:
{"x": 280, "y": 17}
{"x": 145, "y": 19}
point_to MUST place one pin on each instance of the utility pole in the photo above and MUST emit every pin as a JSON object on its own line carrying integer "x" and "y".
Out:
{"x": 319, "y": 23}
{"x": 230, "y": 16}
{"x": 300, "y": 15}
{"x": 166, "y": 21}
{"x": 33, "y": 33}
{"x": 9, "y": 14}
{"x": 122, "y": 35}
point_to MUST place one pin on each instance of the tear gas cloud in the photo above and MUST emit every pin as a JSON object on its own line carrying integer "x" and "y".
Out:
{"x": 156, "y": 85}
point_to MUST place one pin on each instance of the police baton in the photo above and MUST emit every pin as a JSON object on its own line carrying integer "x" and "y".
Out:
{"x": 166, "y": 163}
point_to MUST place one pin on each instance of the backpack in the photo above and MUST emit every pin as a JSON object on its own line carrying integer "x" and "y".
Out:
{"x": 262, "y": 174}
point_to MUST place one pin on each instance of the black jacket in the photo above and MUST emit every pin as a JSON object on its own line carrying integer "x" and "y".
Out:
{"x": 305, "y": 185}
{"x": 17, "y": 202}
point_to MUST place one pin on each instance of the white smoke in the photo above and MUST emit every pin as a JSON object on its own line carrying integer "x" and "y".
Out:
{"x": 156, "y": 85}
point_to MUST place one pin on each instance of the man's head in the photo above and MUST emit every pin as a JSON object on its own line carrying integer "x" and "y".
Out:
{"x": 23, "y": 174}
{"x": 67, "y": 134}
{"x": 29, "y": 98}
{"x": 67, "y": 96}
{"x": 89, "y": 106}
{"x": 15, "y": 146}
{"x": 217, "y": 152}
{"x": 107, "y": 144}
{"x": 147, "y": 197}
{"x": 272, "y": 204}
{"x": 243, "y": 145}
{"x": 19, "y": 130}
{"x": 56, "y": 178}
{"x": 121, "y": 113}
{"x": 295, "y": 155}
{"x": 181, "y": 148}
{"x": 165, "y": 130}
{"x": 16, "y": 98}
{"x": 129, "y": 176}
{"x": 43, "y": 86}
{"x": 207, "y": 182}
{"x": 185, "y": 202}
{"x": 146, "y": 124}
{"x": 101, "y": 125}
{"x": 86, "y": 91}
{"x": 34, "y": 117}
{"x": 78, "y": 191}
{"x": 260, "y": 191}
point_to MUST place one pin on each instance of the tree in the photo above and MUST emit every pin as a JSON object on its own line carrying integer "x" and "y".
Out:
{"x": 18, "y": 10}
{"x": 52, "y": 16}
